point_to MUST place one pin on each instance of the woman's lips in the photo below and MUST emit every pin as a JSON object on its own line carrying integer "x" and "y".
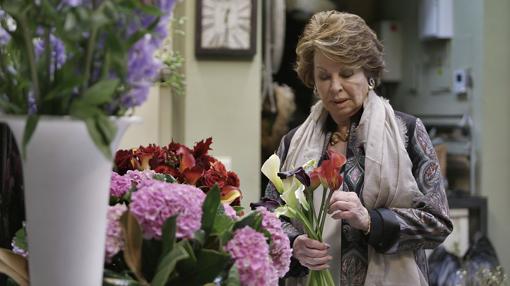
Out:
{"x": 340, "y": 101}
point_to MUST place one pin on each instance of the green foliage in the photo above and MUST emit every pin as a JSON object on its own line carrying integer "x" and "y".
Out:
{"x": 96, "y": 48}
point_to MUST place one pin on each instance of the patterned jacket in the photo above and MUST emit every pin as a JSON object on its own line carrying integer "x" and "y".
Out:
{"x": 424, "y": 226}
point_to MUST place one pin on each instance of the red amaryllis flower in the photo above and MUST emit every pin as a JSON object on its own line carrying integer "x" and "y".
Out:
{"x": 232, "y": 179}
{"x": 329, "y": 170}
{"x": 187, "y": 159}
{"x": 217, "y": 174}
{"x": 192, "y": 175}
{"x": 202, "y": 147}
{"x": 123, "y": 161}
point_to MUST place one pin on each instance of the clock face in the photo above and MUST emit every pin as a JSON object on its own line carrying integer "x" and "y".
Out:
{"x": 226, "y": 24}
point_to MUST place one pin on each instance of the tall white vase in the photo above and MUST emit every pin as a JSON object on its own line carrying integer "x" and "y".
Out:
{"x": 66, "y": 181}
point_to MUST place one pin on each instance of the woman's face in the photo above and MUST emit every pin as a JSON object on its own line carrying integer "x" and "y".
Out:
{"x": 341, "y": 89}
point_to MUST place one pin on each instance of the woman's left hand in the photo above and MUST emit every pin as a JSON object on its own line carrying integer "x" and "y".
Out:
{"x": 347, "y": 206}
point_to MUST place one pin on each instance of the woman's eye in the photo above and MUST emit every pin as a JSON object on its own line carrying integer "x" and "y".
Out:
{"x": 323, "y": 77}
{"x": 346, "y": 73}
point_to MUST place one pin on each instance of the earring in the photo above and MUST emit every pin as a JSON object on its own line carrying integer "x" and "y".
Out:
{"x": 315, "y": 92}
{"x": 371, "y": 84}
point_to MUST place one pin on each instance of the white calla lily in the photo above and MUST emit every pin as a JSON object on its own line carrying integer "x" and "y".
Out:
{"x": 270, "y": 169}
{"x": 300, "y": 195}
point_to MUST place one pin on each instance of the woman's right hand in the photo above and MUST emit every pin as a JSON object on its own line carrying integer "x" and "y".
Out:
{"x": 311, "y": 253}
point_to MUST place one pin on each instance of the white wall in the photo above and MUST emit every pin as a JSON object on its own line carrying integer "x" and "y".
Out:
{"x": 495, "y": 132}
{"x": 222, "y": 100}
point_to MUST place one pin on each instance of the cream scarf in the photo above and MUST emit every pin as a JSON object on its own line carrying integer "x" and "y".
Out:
{"x": 389, "y": 183}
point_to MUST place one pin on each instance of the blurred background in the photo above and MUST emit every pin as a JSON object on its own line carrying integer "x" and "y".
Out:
{"x": 447, "y": 63}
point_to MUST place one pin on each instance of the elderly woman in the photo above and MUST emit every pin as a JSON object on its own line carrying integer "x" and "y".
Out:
{"x": 392, "y": 203}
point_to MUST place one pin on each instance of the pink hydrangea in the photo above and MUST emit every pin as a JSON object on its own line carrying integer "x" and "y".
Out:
{"x": 153, "y": 204}
{"x": 119, "y": 185}
{"x": 279, "y": 249}
{"x": 250, "y": 252}
{"x": 230, "y": 212}
{"x": 140, "y": 178}
{"x": 114, "y": 238}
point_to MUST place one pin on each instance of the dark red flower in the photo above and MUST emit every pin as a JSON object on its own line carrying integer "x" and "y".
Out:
{"x": 217, "y": 174}
{"x": 202, "y": 147}
{"x": 187, "y": 160}
{"x": 191, "y": 176}
{"x": 232, "y": 179}
{"x": 123, "y": 161}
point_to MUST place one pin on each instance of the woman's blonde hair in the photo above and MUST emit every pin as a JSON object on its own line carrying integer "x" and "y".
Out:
{"x": 342, "y": 37}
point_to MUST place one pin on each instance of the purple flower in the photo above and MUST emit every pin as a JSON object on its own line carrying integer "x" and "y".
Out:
{"x": 250, "y": 252}
{"x": 279, "y": 249}
{"x": 114, "y": 237}
{"x": 143, "y": 67}
{"x": 230, "y": 212}
{"x": 119, "y": 185}
{"x": 18, "y": 250}
{"x": 141, "y": 178}
{"x": 72, "y": 3}
{"x": 152, "y": 205}
{"x": 32, "y": 104}
{"x": 58, "y": 55}
{"x": 4, "y": 37}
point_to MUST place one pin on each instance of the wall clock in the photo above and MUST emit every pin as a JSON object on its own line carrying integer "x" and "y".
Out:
{"x": 226, "y": 29}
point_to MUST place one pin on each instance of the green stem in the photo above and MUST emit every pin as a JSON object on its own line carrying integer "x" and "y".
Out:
{"x": 90, "y": 53}
{"x": 324, "y": 216}
{"x": 29, "y": 46}
{"x": 321, "y": 211}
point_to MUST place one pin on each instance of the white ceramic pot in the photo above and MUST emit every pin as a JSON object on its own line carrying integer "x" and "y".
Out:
{"x": 66, "y": 185}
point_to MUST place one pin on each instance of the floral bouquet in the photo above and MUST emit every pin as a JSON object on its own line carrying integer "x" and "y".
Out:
{"x": 163, "y": 231}
{"x": 297, "y": 188}
{"x": 87, "y": 59}
{"x": 184, "y": 165}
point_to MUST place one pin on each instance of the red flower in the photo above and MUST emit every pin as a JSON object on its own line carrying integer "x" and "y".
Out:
{"x": 217, "y": 174}
{"x": 191, "y": 176}
{"x": 329, "y": 171}
{"x": 201, "y": 148}
{"x": 232, "y": 179}
{"x": 187, "y": 159}
{"x": 123, "y": 161}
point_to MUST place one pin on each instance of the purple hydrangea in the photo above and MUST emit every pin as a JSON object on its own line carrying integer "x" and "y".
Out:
{"x": 141, "y": 178}
{"x": 114, "y": 237}
{"x": 153, "y": 205}
{"x": 250, "y": 252}
{"x": 279, "y": 249}
{"x": 119, "y": 185}
{"x": 230, "y": 212}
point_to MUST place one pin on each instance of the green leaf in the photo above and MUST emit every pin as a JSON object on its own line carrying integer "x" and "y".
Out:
{"x": 164, "y": 178}
{"x": 210, "y": 208}
{"x": 20, "y": 239}
{"x": 210, "y": 265}
{"x": 233, "y": 277}
{"x": 97, "y": 137}
{"x": 168, "y": 263}
{"x": 223, "y": 227}
{"x": 70, "y": 22}
{"x": 30, "y": 126}
{"x": 253, "y": 220}
{"x": 101, "y": 92}
{"x": 107, "y": 128}
{"x": 169, "y": 229}
{"x": 8, "y": 107}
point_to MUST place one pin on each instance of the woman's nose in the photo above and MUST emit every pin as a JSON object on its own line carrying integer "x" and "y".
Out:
{"x": 336, "y": 84}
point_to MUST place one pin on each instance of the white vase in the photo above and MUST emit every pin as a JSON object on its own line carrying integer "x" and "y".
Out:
{"x": 66, "y": 184}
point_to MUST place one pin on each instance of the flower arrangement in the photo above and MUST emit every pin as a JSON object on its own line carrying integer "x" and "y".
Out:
{"x": 88, "y": 59}
{"x": 169, "y": 229}
{"x": 187, "y": 166}
{"x": 297, "y": 189}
